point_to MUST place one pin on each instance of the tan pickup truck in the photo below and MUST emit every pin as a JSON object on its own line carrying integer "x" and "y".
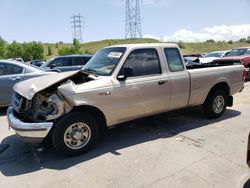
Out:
{"x": 119, "y": 84}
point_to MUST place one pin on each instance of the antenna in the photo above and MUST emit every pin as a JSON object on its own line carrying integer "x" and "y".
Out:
{"x": 76, "y": 21}
{"x": 133, "y": 19}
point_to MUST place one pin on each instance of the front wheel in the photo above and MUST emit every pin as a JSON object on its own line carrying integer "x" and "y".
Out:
{"x": 75, "y": 133}
{"x": 215, "y": 104}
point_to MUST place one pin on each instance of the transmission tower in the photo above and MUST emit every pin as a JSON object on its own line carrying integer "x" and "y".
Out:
{"x": 133, "y": 19}
{"x": 76, "y": 21}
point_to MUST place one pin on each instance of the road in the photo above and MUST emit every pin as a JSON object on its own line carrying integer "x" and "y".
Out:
{"x": 177, "y": 149}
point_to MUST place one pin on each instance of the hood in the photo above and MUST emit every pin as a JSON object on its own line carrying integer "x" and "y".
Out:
{"x": 32, "y": 86}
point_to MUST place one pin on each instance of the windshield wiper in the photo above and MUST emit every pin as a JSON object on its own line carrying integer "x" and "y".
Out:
{"x": 89, "y": 71}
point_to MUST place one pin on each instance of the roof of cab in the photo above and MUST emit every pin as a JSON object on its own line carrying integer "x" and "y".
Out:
{"x": 143, "y": 45}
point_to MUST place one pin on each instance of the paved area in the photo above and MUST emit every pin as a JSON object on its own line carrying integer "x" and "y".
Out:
{"x": 177, "y": 149}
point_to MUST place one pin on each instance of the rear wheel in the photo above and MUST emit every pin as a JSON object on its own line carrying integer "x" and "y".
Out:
{"x": 215, "y": 104}
{"x": 75, "y": 133}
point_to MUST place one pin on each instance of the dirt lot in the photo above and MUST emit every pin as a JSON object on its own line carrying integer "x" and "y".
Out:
{"x": 177, "y": 149}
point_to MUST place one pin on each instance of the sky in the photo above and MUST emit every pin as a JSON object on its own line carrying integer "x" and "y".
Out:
{"x": 167, "y": 20}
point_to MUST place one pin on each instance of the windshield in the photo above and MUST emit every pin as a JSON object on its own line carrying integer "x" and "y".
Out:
{"x": 104, "y": 61}
{"x": 47, "y": 63}
{"x": 214, "y": 54}
{"x": 237, "y": 52}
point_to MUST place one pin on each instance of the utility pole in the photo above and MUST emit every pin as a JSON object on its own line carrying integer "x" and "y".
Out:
{"x": 76, "y": 21}
{"x": 133, "y": 19}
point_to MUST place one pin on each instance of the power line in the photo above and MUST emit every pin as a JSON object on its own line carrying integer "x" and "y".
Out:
{"x": 133, "y": 19}
{"x": 76, "y": 21}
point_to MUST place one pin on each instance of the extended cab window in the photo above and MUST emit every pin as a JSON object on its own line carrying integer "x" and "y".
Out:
{"x": 143, "y": 62}
{"x": 174, "y": 59}
{"x": 16, "y": 69}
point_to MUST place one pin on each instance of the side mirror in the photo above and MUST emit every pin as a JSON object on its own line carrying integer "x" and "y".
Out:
{"x": 127, "y": 72}
{"x": 52, "y": 66}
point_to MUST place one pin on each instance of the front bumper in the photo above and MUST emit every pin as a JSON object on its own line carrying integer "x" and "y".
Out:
{"x": 29, "y": 132}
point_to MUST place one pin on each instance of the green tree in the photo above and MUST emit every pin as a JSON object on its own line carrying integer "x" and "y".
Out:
{"x": 2, "y": 48}
{"x": 32, "y": 50}
{"x": 49, "y": 51}
{"x": 248, "y": 39}
{"x": 243, "y": 40}
{"x": 14, "y": 50}
{"x": 230, "y": 42}
{"x": 75, "y": 49}
{"x": 211, "y": 40}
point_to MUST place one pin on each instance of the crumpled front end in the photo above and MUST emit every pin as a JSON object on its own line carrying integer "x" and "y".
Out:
{"x": 33, "y": 117}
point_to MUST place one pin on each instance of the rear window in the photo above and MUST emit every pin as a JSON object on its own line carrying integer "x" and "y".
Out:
{"x": 174, "y": 59}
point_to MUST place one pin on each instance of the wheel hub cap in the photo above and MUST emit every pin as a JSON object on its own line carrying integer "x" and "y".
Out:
{"x": 218, "y": 104}
{"x": 77, "y": 135}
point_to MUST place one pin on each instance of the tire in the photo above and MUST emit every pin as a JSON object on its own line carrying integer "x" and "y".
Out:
{"x": 215, "y": 104}
{"x": 75, "y": 133}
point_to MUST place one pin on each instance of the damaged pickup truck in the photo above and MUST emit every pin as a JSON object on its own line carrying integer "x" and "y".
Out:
{"x": 119, "y": 84}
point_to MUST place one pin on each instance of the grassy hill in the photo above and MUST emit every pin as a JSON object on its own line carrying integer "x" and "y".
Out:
{"x": 187, "y": 48}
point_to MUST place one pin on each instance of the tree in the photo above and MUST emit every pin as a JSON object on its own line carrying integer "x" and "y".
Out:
{"x": 32, "y": 50}
{"x": 75, "y": 49}
{"x": 243, "y": 40}
{"x": 230, "y": 42}
{"x": 2, "y": 48}
{"x": 49, "y": 51}
{"x": 14, "y": 50}
{"x": 248, "y": 39}
{"x": 211, "y": 40}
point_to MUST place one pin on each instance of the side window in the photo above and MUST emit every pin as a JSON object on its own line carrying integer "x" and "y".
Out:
{"x": 16, "y": 69}
{"x": 5, "y": 69}
{"x": 174, "y": 59}
{"x": 143, "y": 62}
{"x": 62, "y": 62}
{"x": 80, "y": 60}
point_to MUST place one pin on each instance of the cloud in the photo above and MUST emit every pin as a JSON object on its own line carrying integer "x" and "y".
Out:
{"x": 218, "y": 33}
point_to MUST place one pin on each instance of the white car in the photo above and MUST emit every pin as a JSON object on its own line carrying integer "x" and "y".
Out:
{"x": 209, "y": 57}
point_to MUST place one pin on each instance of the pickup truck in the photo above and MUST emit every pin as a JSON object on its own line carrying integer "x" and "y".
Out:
{"x": 119, "y": 84}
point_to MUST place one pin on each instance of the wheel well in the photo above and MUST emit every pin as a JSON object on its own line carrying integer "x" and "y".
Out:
{"x": 95, "y": 112}
{"x": 222, "y": 86}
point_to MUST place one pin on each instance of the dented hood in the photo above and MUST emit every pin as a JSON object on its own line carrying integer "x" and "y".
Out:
{"x": 32, "y": 86}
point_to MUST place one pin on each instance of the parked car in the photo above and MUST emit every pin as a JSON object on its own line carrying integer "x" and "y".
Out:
{"x": 37, "y": 62}
{"x": 238, "y": 52}
{"x": 248, "y": 151}
{"x": 12, "y": 72}
{"x": 209, "y": 57}
{"x": 16, "y": 59}
{"x": 66, "y": 63}
{"x": 119, "y": 84}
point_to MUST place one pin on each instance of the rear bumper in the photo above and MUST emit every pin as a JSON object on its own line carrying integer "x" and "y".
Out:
{"x": 29, "y": 132}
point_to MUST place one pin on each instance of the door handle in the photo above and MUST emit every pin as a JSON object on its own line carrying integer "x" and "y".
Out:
{"x": 162, "y": 82}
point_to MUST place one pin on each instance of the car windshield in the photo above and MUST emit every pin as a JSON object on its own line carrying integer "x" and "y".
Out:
{"x": 46, "y": 64}
{"x": 214, "y": 54}
{"x": 237, "y": 52}
{"x": 104, "y": 61}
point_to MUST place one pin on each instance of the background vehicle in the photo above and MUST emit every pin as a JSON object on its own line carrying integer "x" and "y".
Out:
{"x": 209, "y": 57}
{"x": 12, "y": 72}
{"x": 238, "y": 52}
{"x": 119, "y": 84}
{"x": 16, "y": 59}
{"x": 37, "y": 63}
{"x": 67, "y": 63}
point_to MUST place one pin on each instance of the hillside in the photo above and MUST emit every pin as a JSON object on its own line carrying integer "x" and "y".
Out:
{"x": 187, "y": 48}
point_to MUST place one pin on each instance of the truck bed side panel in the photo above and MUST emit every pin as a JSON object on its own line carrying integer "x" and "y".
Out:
{"x": 202, "y": 81}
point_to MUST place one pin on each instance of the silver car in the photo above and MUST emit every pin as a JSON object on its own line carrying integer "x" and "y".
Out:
{"x": 12, "y": 72}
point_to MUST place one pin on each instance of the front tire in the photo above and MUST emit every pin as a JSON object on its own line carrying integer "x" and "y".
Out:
{"x": 75, "y": 133}
{"x": 215, "y": 104}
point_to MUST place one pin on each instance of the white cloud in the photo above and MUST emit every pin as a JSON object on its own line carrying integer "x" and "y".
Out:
{"x": 218, "y": 33}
